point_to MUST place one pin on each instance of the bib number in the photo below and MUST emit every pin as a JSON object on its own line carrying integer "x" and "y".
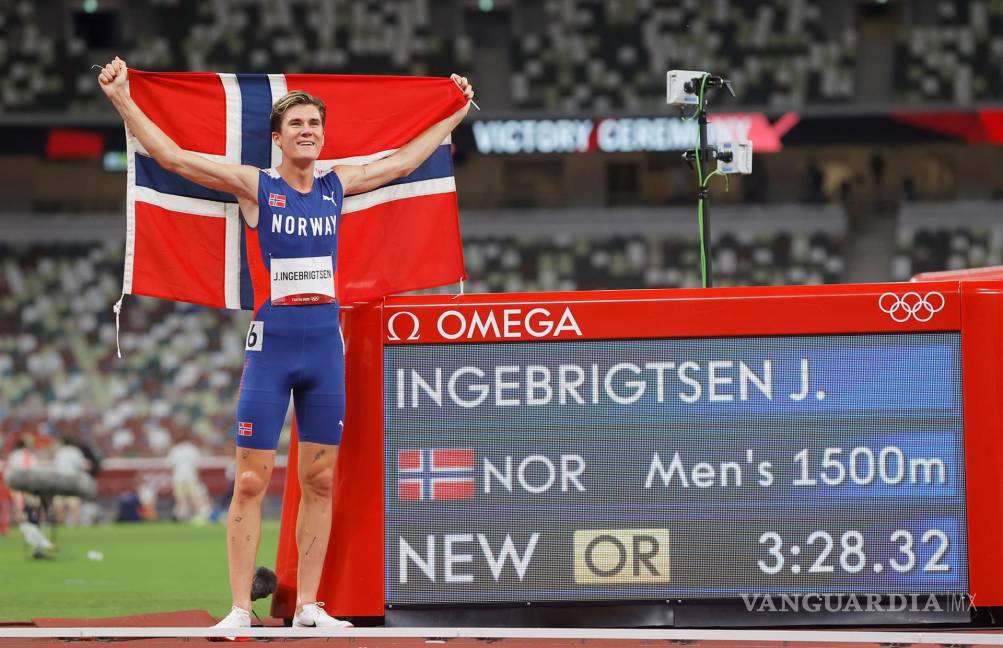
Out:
{"x": 303, "y": 281}
{"x": 255, "y": 336}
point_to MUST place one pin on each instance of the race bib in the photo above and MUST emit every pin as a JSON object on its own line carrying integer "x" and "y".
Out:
{"x": 255, "y": 336}
{"x": 303, "y": 281}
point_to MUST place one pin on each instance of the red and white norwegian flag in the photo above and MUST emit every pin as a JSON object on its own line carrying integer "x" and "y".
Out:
{"x": 435, "y": 474}
{"x": 186, "y": 243}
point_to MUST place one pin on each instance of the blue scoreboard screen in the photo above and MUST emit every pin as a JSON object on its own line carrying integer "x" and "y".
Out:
{"x": 674, "y": 468}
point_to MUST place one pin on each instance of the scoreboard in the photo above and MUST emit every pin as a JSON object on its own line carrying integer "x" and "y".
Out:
{"x": 674, "y": 468}
{"x": 677, "y": 444}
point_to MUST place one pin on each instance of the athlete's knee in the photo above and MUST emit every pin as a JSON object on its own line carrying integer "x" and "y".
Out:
{"x": 319, "y": 483}
{"x": 249, "y": 485}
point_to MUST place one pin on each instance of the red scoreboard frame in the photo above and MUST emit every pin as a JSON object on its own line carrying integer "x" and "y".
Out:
{"x": 353, "y": 579}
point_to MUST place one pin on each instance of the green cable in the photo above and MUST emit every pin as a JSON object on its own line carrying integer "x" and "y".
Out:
{"x": 696, "y": 149}
{"x": 703, "y": 258}
{"x": 711, "y": 175}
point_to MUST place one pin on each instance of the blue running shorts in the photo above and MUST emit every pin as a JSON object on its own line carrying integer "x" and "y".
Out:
{"x": 307, "y": 362}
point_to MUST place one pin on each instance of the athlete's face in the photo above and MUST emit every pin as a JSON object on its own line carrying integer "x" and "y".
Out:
{"x": 302, "y": 135}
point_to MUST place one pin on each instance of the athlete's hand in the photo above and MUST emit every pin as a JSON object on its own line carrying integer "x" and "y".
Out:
{"x": 113, "y": 77}
{"x": 468, "y": 94}
{"x": 464, "y": 85}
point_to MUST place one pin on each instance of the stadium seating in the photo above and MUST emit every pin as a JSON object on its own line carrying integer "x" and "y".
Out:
{"x": 387, "y": 37}
{"x": 33, "y": 59}
{"x": 568, "y": 55}
{"x": 181, "y": 364}
{"x": 780, "y": 54}
{"x": 776, "y": 53}
{"x": 947, "y": 236}
{"x": 588, "y": 249}
{"x": 510, "y": 264}
{"x": 952, "y": 53}
{"x": 299, "y": 36}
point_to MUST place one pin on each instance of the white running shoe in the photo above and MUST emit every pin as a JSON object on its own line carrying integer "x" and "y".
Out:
{"x": 313, "y": 616}
{"x": 237, "y": 618}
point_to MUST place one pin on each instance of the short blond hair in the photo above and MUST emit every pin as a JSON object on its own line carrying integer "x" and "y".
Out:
{"x": 294, "y": 98}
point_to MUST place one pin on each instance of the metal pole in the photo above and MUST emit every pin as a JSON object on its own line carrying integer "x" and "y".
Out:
{"x": 704, "y": 195}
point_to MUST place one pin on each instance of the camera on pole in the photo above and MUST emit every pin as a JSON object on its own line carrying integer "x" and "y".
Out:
{"x": 688, "y": 88}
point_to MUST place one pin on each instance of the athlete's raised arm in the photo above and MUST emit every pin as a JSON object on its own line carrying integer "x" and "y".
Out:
{"x": 240, "y": 180}
{"x": 361, "y": 178}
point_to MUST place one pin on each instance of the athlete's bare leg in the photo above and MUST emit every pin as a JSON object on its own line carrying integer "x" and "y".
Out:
{"x": 313, "y": 522}
{"x": 243, "y": 525}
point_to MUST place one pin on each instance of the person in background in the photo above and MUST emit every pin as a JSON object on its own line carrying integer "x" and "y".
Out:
{"x": 190, "y": 501}
{"x": 6, "y": 501}
{"x": 90, "y": 512}
{"x": 23, "y": 458}
{"x": 69, "y": 460}
{"x": 146, "y": 495}
{"x": 28, "y": 511}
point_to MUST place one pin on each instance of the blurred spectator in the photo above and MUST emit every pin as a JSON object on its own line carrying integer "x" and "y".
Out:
{"x": 908, "y": 190}
{"x": 26, "y": 505}
{"x": 68, "y": 459}
{"x": 190, "y": 495}
{"x": 28, "y": 510}
{"x": 92, "y": 456}
{"x": 878, "y": 176}
{"x": 815, "y": 183}
{"x": 129, "y": 507}
{"x": 146, "y": 495}
{"x": 6, "y": 501}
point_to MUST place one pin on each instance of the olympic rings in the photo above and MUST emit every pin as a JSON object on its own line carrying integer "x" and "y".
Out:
{"x": 911, "y": 304}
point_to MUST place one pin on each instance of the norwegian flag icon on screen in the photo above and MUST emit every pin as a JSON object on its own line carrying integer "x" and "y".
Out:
{"x": 245, "y": 428}
{"x": 276, "y": 200}
{"x": 435, "y": 474}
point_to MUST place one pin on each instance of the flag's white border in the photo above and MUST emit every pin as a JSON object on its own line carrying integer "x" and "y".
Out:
{"x": 130, "y": 211}
{"x": 234, "y": 139}
{"x": 184, "y": 204}
{"x": 395, "y": 192}
{"x": 277, "y": 84}
{"x": 360, "y": 202}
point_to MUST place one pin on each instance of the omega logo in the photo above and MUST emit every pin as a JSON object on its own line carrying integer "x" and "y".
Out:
{"x": 392, "y": 326}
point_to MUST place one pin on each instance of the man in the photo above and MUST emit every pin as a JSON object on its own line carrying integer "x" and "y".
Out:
{"x": 69, "y": 459}
{"x": 23, "y": 458}
{"x": 294, "y": 341}
{"x": 28, "y": 510}
{"x": 191, "y": 503}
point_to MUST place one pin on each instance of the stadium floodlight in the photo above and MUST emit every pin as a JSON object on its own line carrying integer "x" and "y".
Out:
{"x": 735, "y": 157}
